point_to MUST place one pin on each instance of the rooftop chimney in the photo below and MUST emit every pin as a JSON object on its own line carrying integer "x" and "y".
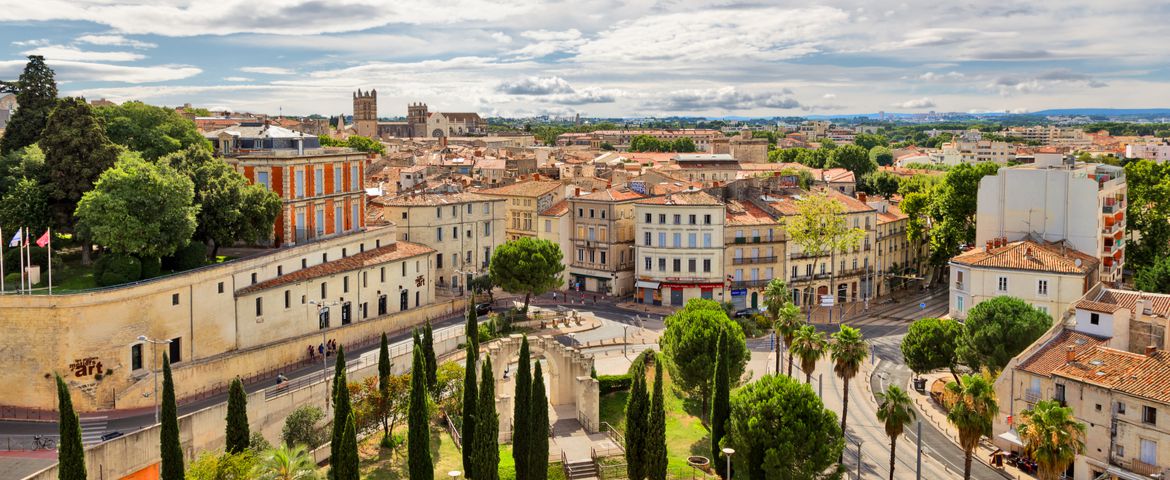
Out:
{"x": 861, "y": 196}
{"x": 1069, "y": 355}
{"x": 1151, "y": 350}
{"x": 989, "y": 246}
{"x": 536, "y": 176}
{"x": 577, "y": 192}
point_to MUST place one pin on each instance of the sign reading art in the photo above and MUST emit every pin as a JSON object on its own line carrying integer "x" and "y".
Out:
{"x": 86, "y": 367}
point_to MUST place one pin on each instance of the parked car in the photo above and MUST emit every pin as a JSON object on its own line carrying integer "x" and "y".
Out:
{"x": 483, "y": 308}
{"x": 747, "y": 312}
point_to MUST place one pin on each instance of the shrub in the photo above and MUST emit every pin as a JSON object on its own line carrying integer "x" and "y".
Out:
{"x": 300, "y": 428}
{"x": 646, "y": 357}
{"x": 193, "y": 255}
{"x": 116, "y": 269}
{"x": 614, "y": 383}
{"x": 151, "y": 267}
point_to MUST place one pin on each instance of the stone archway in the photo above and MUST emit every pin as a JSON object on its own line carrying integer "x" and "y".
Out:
{"x": 568, "y": 378}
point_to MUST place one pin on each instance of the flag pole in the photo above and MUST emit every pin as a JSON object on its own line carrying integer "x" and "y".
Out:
{"x": 50, "y": 252}
{"x": 27, "y": 261}
{"x": 2, "y": 290}
{"x": 20, "y": 255}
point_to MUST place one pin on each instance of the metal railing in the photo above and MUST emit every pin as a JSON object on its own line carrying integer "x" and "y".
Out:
{"x": 751, "y": 260}
{"x": 749, "y": 283}
{"x": 1031, "y": 396}
{"x": 29, "y": 442}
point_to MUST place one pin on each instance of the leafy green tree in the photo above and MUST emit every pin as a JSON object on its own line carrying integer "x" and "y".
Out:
{"x": 300, "y": 427}
{"x": 1052, "y": 437}
{"x": 223, "y": 466}
{"x": 259, "y": 208}
{"x": 971, "y": 408}
{"x": 171, "y": 449}
{"x": 809, "y": 345}
{"x": 538, "y": 429}
{"x": 998, "y": 329}
{"x": 885, "y": 184}
{"x": 881, "y": 155}
{"x": 645, "y": 143}
{"x": 915, "y": 205}
{"x": 428, "y": 343}
{"x": 522, "y": 412}
{"x": 821, "y": 227}
{"x": 656, "y": 428}
{"x": 384, "y": 373}
{"x": 828, "y": 144}
{"x": 895, "y": 411}
{"x": 780, "y": 429}
{"x": 1152, "y": 278}
{"x": 470, "y": 390}
{"x": 853, "y": 158}
{"x": 848, "y": 349}
{"x": 527, "y": 265}
{"x": 690, "y": 342}
{"x": 70, "y": 451}
{"x": 152, "y": 131}
{"x": 237, "y": 434}
{"x": 869, "y": 141}
{"x": 952, "y": 209}
{"x": 486, "y": 443}
{"x": 720, "y": 402}
{"x": 418, "y": 437}
{"x": 342, "y": 411}
{"x": 77, "y": 152}
{"x": 36, "y": 94}
{"x": 813, "y": 158}
{"x": 637, "y": 421}
{"x": 931, "y": 344}
{"x": 139, "y": 208}
{"x": 338, "y": 372}
{"x": 25, "y": 204}
{"x": 365, "y": 144}
{"x": 286, "y": 463}
{"x": 683, "y": 145}
{"x": 1148, "y": 189}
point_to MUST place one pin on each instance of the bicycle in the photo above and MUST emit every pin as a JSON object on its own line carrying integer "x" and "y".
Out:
{"x": 44, "y": 443}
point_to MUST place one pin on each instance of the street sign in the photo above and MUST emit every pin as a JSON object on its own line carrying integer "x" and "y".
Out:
{"x": 738, "y": 292}
{"x": 827, "y": 301}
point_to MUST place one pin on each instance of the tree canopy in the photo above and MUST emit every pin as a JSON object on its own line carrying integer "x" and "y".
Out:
{"x": 931, "y": 343}
{"x": 527, "y": 265}
{"x": 690, "y": 345}
{"x": 152, "y": 131}
{"x": 36, "y": 94}
{"x": 780, "y": 429}
{"x": 820, "y": 226}
{"x": 998, "y": 329}
{"x": 853, "y": 158}
{"x": 1153, "y": 278}
{"x": 76, "y": 153}
{"x": 139, "y": 208}
{"x": 647, "y": 143}
{"x": 1148, "y": 188}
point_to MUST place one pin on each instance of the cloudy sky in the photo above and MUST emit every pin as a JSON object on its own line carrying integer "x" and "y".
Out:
{"x": 601, "y": 57}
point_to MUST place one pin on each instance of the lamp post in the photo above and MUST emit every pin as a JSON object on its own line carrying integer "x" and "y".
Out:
{"x": 154, "y": 353}
{"x": 727, "y": 451}
{"x": 323, "y": 309}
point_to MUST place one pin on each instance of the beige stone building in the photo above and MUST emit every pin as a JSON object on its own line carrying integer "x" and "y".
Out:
{"x": 1049, "y": 276}
{"x": 679, "y": 249}
{"x": 247, "y": 318}
{"x": 894, "y": 256}
{"x": 463, "y": 228}
{"x": 754, "y": 238}
{"x": 556, "y": 225}
{"x": 525, "y": 200}
{"x": 602, "y": 259}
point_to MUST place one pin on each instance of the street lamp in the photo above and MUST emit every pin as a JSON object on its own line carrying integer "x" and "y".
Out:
{"x": 322, "y": 309}
{"x": 728, "y": 452}
{"x": 153, "y": 353}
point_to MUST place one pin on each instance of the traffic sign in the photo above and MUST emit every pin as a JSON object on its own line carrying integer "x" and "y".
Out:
{"x": 827, "y": 301}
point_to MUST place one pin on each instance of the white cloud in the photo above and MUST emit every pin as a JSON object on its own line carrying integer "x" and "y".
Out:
{"x": 829, "y": 95}
{"x": 238, "y": 79}
{"x": 268, "y": 70}
{"x": 115, "y": 40}
{"x": 546, "y": 42}
{"x": 724, "y": 98}
{"x": 587, "y": 96}
{"x": 72, "y": 71}
{"x": 917, "y": 103}
{"x": 535, "y": 86}
{"x": 69, "y": 52}
{"x": 501, "y": 37}
{"x": 39, "y": 42}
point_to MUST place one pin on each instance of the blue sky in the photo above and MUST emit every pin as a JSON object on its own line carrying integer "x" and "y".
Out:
{"x": 604, "y": 57}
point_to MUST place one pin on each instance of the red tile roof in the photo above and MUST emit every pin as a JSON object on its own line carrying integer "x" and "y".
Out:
{"x": 1101, "y": 366}
{"x": 685, "y": 198}
{"x": 532, "y": 188}
{"x": 1030, "y": 255}
{"x": 612, "y": 195}
{"x": 1109, "y": 300}
{"x": 747, "y": 213}
{"x": 557, "y": 209}
{"x": 397, "y": 251}
{"x": 1054, "y": 353}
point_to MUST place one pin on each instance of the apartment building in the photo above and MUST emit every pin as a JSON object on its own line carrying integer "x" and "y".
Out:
{"x": 1057, "y": 199}
{"x": 620, "y": 139}
{"x": 1118, "y": 392}
{"x": 1050, "y": 276}
{"x": 464, "y": 229}
{"x": 1052, "y": 135}
{"x": 602, "y": 256}
{"x": 894, "y": 257}
{"x": 556, "y": 225}
{"x": 754, "y": 255}
{"x": 679, "y": 248}
{"x": 1156, "y": 150}
{"x": 524, "y": 201}
{"x": 954, "y": 153}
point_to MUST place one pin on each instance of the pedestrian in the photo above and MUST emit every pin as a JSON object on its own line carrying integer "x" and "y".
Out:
{"x": 554, "y": 297}
{"x": 312, "y": 352}
{"x": 321, "y": 349}
{"x": 595, "y": 299}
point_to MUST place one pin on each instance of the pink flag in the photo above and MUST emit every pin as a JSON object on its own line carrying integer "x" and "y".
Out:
{"x": 44, "y": 240}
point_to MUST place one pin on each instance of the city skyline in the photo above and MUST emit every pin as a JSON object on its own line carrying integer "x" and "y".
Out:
{"x": 598, "y": 58}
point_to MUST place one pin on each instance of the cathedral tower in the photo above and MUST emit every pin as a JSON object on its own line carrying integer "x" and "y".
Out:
{"x": 365, "y": 113}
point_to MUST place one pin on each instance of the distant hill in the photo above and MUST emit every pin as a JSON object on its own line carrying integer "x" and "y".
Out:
{"x": 1108, "y": 112}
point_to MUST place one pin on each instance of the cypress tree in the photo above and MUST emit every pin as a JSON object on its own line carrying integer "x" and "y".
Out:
{"x": 384, "y": 385}
{"x": 720, "y": 402}
{"x": 470, "y": 399}
{"x": 487, "y": 428}
{"x": 341, "y": 408}
{"x": 70, "y": 451}
{"x": 237, "y": 418}
{"x": 656, "y": 431}
{"x": 418, "y": 437}
{"x": 538, "y": 441}
{"x": 345, "y": 464}
{"x": 36, "y": 93}
{"x": 172, "y": 450}
{"x": 428, "y": 339}
{"x": 338, "y": 370}
{"x": 637, "y": 405}
{"x": 521, "y": 412}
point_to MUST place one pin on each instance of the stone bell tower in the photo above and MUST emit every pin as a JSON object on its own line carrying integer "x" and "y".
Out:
{"x": 365, "y": 113}
{"x": 416, "y": 116}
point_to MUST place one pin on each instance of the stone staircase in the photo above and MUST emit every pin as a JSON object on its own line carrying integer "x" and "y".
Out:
{"x": 580, "y": 469}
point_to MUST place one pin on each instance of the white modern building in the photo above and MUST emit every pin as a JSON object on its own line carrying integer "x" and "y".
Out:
{"x": 1049, "y": 276}
{"x": 1158, "y": 151}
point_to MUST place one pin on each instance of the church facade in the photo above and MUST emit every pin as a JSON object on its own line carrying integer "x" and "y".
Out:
{"x": 420, "y": 122}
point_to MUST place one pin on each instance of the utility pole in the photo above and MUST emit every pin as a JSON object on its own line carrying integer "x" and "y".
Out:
{"x": 918, "y": 469}
{"x": 859, "y": 459}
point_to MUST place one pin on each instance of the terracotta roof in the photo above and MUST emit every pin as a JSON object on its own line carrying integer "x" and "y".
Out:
{"x": 685, "y": 198}
{"x": 892, "y": 214}
{"x": 557, "y": 209}
{"x": 1029, "y": 255}
{"x": 533, "y": 188}
{"x": 427, "y": 199}
{"x": 747, "y": 213}
{"x": 397, "y": 251}
{"x": 838, "y": 175}
{"x": 612, "y": 195}
{"x": 1149, "y": 379}
{"x": 852, "y": 205}
{"x": 1109, "y": 300}
{"x": 1100, "y": 365}
{"x": 1054, "y": 353}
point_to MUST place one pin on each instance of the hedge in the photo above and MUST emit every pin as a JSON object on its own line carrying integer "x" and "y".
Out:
{"x": 614, "y": 383}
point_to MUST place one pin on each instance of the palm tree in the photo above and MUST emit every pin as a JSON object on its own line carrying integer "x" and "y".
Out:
{"x": 848, "y": 351}
{"x": 895, "y": 411}
{"x": 286, "y": 463}
{"x": 1053, "y": 438}
{"x": 810, "y": 346}
{"x": 785, "y": 317}
{"x": 971, "y": 408}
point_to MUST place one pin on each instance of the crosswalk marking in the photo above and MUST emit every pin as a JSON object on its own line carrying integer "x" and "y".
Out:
{"x": 92, "y": 429}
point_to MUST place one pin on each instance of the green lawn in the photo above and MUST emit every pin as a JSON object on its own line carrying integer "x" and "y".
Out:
{"x": 685, "y": 433}
{"x": 381, "y": 464}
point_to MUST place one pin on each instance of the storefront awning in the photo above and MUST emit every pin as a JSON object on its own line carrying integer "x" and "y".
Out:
{"x": 1011, "y": 437}
{"x": 646, "y": 284}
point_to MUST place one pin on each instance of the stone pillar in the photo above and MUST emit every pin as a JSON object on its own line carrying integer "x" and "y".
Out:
{"x": 588, "y": 403}
{"x": 504, "y": 409}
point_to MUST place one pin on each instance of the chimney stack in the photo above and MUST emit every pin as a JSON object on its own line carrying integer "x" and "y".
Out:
{"x": 577, "y": 192}
{"x": 861, "y": 196}
{"x": 1069, "y": 355}
{"x": 989, "y": 246}
{"x": 536, "y": 176}
{"x": 1151, "y": 350}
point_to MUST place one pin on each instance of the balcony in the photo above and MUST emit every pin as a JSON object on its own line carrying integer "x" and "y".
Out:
{"x": 752, "y": 260}
{"x": 1032, "y": 395}
{"x": 1140, "y": 467}
{"x": 959, "y": 285}
{"x": 749, "y": 283}
{"x": 806, "y": 255}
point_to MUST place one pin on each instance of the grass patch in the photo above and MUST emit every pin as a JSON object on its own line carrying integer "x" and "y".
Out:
{"x": 381, "y": 464}
{"x": 685, "y": 433}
